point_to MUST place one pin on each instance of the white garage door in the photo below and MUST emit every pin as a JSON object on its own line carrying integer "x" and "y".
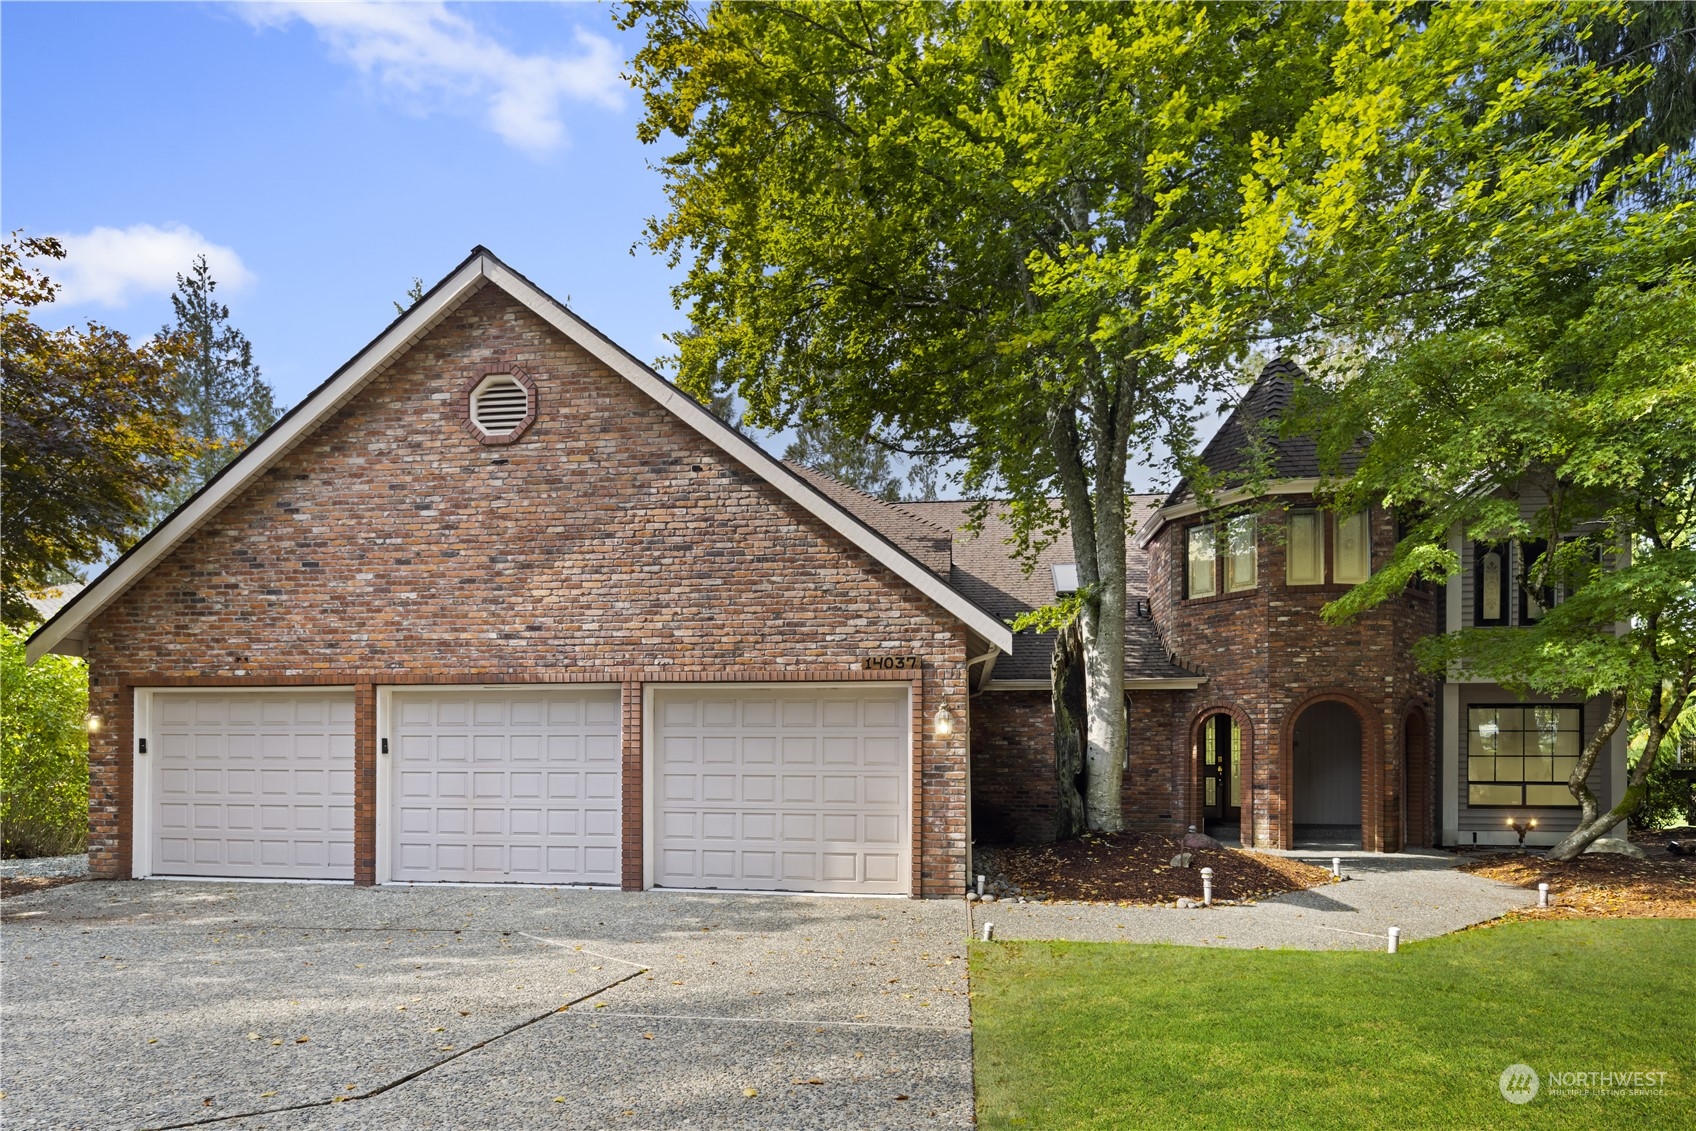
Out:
{"x": 256, "y": 785}
{"x": 506, "y": 786}
{"x": 802, "y": 790}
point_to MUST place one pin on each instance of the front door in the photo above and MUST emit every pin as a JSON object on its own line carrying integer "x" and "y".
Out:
{"x": 1221, "y": 775}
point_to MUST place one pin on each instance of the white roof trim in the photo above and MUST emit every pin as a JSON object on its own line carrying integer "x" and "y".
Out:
{"x": 65, "y": 633}
{"x": 1191, "y": 506}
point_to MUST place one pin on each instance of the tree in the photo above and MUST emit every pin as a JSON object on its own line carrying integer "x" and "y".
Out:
{"x": 225, "y": 402}
{"x": 846, "y": 458}
{"x": 943, "y": 225}
{"x": 414, "y": 293}
{"x": 91, "y": 431}
{"x": 1493, "y": 279}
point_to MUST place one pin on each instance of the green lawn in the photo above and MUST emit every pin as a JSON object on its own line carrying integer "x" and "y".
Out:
{"x": 1118, "y": 1035}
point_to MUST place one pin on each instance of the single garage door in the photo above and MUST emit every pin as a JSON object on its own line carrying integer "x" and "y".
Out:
{"x": 791, "y": 790}
{"x": 506, "y": 786}
{"x": 255, "y": 785}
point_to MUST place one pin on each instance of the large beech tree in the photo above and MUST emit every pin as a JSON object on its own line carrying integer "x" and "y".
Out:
{"x": 943, "y": 225}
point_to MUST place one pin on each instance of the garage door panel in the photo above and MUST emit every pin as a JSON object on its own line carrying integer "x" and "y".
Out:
{"x": 790, "y": 790}
{"x": 252, "y": 785}
{"x": 540, "y": 768}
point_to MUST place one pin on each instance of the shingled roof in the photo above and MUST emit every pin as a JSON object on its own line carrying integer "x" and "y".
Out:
{"x": 1255, "y": 418}
{"x": 986, "y": 573}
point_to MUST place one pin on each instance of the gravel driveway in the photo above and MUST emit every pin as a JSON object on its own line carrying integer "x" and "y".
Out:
{"x": 166, "y": 1004}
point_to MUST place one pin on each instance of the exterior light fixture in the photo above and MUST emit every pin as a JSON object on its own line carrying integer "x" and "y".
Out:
{"x": 944, "y": 722}
{"x": 1522, "y": 829}
{"x": 92, "y": 724}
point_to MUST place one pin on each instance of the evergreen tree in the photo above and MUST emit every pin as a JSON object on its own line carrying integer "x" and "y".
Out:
{"x": 225, "y": 402}
{"x": 845, "y": 457}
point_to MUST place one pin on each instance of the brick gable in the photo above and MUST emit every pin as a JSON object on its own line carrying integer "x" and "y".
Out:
{"x": 610, "y": 542}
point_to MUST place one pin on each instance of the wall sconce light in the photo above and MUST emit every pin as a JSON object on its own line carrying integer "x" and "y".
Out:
{"x": 1522, "y": 829}
{"x": 944, "y": 722}
{"x": 92, "y": 724}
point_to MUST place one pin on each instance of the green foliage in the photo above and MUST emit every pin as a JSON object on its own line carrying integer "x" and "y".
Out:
{"x": 225, "y": 402}
{"x": 414, "y": 294}
{"x": 850, "y": 459}
{"x": 1666, "y": 801}
{"x": 1115, "y": 1035}
{"x": 91, "y": 431}
{"x": 43, "y": 751}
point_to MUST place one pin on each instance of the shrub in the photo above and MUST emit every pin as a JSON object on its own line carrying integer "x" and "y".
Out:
{"x": 1668, "y": 799}
{"x": 43, "y": 752}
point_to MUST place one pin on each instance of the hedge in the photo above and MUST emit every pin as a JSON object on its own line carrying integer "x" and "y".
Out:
{"x": 43, "y": 752}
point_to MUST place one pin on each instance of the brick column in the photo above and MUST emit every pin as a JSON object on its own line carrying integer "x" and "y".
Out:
{"x": 630, "y": 730}
{"x": 365, "y": 769}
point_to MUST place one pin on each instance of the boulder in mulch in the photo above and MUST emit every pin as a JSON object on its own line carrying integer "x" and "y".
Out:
{"x": 1200, "y": 842}
{"x": 1618, "y": 847}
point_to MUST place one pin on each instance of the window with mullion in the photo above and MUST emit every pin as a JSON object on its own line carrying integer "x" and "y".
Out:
{"x": 1521, "y": 756}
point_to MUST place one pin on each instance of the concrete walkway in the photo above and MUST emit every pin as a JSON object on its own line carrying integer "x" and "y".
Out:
{"x": 169, "y": 1004}
{"x": 1420, "y": 892}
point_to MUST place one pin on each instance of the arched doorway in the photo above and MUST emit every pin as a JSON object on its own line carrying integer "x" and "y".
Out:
{"x": 1326, "y": 765}
{"x": 1417, "y": 815}
{"x": 1220, "y": 754}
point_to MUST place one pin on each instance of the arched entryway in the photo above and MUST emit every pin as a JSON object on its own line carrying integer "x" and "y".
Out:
{"x": 1417, "y": 815}
{"x": 1326, "y": 771}
{"x": 1220, "y": 755}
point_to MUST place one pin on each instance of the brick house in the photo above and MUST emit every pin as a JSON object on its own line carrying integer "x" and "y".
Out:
{"x": 496, "y": 603}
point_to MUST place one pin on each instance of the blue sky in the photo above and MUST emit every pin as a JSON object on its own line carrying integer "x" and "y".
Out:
{"x": 322, "y": 155}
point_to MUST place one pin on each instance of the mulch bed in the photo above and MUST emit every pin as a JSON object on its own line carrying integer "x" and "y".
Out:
{"x": 21, "y": 885}
{"x": 1602, "y": 885}
{"x": 1132, "y": 868}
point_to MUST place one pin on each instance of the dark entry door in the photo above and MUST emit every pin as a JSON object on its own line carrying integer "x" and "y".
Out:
{"x": 1221, "y": 770}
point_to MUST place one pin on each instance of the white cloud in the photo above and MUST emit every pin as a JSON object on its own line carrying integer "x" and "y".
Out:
{"x": 424, "y": 54}
{"x": 112, "y": 265}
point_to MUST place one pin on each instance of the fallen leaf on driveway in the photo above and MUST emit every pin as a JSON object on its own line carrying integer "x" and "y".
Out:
{"x": 647, "y": 1036}
{"x": 301, "y": 1040}
{"x": 253, "y": 1036}
{"x": 750, "y": 1092}
{"x": 902, "y": 1097}
{"x": 559, "y": 1099}
{"x": 266, "y": 1095}
{"x": 277, "y": 1042}
{"x": 465, "y": 1013}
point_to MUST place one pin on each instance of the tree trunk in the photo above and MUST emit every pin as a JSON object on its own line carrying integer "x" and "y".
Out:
{"x": 1103, "y": 622}
{"x": 1071, "y": 728}
{"x": 1592, "y": 822}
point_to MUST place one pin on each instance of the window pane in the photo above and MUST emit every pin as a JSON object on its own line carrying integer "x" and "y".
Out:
{"x": 1508, "y": 744}
{"x": 1549, "y": 795}
{"x": 1201, "y": 554}
{"x": 1480, "y": 769}
{"x": 1493, "y": 795}
{"x": 1539, "y": 769}
{"x": 1566, "y": 744}
{"x": 1305, "y": 563}
{"x": 1562, "y": 768}
{"x": 1480, "y": 746}
{"x": 1211, "y": 786}
{"x": 1510, "y": 769}
{"x": 1240, "y": 559}
{"x": 1207, "y": 743}
{"x": 1354, "y": 549}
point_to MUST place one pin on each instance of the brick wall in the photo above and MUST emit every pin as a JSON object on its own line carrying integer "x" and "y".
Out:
{"x": 1267, "y": 655}
{"x": 1014, "y": 794}
{"x": 609, "y": 543}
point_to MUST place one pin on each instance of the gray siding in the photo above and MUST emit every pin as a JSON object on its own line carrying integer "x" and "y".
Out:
{"x": 1558, "y": 821}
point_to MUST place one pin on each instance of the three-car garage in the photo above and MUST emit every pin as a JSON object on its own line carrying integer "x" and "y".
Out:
{"x": 803, "y": 787}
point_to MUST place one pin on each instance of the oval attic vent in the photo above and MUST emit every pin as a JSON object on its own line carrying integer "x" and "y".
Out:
{"x": 500, "y": 405}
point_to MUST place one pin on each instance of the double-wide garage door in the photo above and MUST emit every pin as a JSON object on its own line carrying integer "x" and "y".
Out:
{"x": 799, "y": 789}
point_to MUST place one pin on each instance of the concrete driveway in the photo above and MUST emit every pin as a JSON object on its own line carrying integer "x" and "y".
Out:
{"x": 169, "y": 1004}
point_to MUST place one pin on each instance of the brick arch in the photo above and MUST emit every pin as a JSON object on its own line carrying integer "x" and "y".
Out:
{"x": 1372, "y": 732}
{"x": 1416, "y": 757}
{"x": 1192, "y": 761}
